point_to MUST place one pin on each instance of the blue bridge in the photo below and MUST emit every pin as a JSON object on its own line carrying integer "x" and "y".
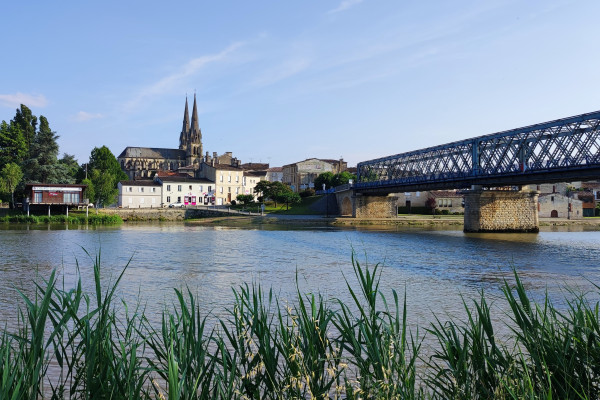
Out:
{"x": 564, "y": 150}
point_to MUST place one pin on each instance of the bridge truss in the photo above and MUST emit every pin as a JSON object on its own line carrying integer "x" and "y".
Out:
{"x": 567, "y": 149}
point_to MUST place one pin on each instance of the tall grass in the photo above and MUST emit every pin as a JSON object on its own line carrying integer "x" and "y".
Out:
{"x": 70, "y": 344}
{"x": 92, "y": 219}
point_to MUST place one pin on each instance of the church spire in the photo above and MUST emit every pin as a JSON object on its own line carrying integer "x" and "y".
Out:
{"x": 186, "y": 117}
{"x": 195, "y": 127}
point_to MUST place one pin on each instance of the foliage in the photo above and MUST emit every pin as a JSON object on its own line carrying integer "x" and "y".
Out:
{"x": 245, "y": 198}
{"x": 104, "y": 173}
{"x": 324, "y": 178}
{"x": 342, "y": 178}
{"x": 10, "y": 176}
{"x": 27, "y": 123}
{"x": 73, "y": 168}
{"x": 270, "y": 349}
{"x": 13, "y": 147}
{"x": 431, "y": 204}
{"x": 307, "y": 193}
{"x": 100, "y": 219}
{"x": 288, "y": 197}
{"x": 272, "y": 190}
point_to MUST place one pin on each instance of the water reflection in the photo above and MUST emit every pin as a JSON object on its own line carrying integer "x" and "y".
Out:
{"x": 434, "y": 266}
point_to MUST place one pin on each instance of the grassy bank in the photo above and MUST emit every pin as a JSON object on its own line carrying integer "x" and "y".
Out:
{"x": 73, "y": 218}
{"x": 266, "y": 349}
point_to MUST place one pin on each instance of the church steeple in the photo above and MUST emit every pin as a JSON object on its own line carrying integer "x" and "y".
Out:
{"x": 184, "y": 136}
{"x": 195, "y": 127}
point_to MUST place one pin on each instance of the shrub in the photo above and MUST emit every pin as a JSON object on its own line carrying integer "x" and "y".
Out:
{"x": 307, "y": 193}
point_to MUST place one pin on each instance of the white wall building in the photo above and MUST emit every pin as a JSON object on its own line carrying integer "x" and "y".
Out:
{"x": 139, "y": 194}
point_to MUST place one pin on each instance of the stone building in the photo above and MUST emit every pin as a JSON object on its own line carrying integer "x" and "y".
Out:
{"x": 145, "y": 162}
{"x": 302, "y": 174}
{"x": 556, "y": 205}
{"x": 228, "y": 180}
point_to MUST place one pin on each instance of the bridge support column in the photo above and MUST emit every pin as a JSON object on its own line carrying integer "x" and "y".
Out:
{"x": 501, "y": 211}
{"x": 375, "y": 206}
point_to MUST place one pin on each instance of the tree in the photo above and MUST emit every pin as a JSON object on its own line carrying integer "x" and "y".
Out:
{"x": 288, "y": 198}
{"x": 276, "y": 190}
{"x": 245, "y": 198}
{"x": 90, "y": 193}
{"x": 342, "y": 178}
{"x": 263, "y": 187}
{"x": 27, "y": 122}
{"x": 324, "y": 178}
{"x": 105, "y": 173}
{"x": 73, "y": 168}
{"x": 10, "y": 176}
{"x": 13, "y": 148}
{"x": 42, "y": 165}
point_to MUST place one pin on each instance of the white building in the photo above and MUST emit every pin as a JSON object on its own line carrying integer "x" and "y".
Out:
{"x": 139, "y": 194}
{"x": 186, "y": 190}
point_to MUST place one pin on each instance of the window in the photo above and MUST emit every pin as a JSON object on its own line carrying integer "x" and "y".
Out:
{"x": 179, "y": 188}
{"x": 141, "y": 189}
{"x": 229, "y": 189}
{"x": 168, "y": 199}
{"x": 237, "y": 190}
{"x": 229, "y": 178}
{"x": 237, "y": 178}
{"x": 190, "y": 187}
{"x": 142, "y": 200}
{"x": 153, "y": 190}
{"x": 210, "y": 188}
{"x": 179, "y": 199}
{"x": 169, "y": 187}
{"x": 153, "y": 200}
{"x": 221, "y": 189}
{"x": 221, "y": 179}
{"x": 130, "y": 189}
{"x": 200, "y": 187}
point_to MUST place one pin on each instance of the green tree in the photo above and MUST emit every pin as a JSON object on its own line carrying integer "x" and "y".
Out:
{"x": 263, "y": 187}
{"x": 73, "y": 168}
{"x": 104, "y": 160}
{"x": 288, "y": 197}
{"x": 105, "y": 173}
{"x": 324, "y": 178}
{"x": 276, "y": 190}
{"x": 342, "y": 178}
{"x": 27, "y": 122}
{"x": 245, "y": 198}
{"x": 13, "y": 148}
{"x": 10, "y": 176}
{"x": 42, "y": 165}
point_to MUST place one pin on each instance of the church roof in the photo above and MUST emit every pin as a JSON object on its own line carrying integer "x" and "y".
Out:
{"x": 152, "y": 152}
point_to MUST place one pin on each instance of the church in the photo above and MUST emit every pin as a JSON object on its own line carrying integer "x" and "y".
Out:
{"x": 145, "y": 162}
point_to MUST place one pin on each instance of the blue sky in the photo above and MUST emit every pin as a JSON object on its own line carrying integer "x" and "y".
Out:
{"x": 281, "y": 81}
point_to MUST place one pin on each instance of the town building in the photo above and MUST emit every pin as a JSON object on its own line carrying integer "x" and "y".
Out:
{"x": 145, "y": 162}
{"x": 274, "y": 174}
{"x": 302, "y": 174}
{"x": 228, "y": 180}
{"x": 46, "y": 196}
{"x": 184, "y": 189}
{"x": 556, "y": 205}
{"x": 146, "y": 193}
{"x": 450, "y": 200}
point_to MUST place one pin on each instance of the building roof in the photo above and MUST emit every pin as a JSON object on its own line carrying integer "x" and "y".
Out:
{"x": 255, "y": 173}
{"x": 56, "y": 185}
{"x": 224, "y": 167}
{"x": 275, "y": 169}
{"x": 140, "y": 182}
{"x": 327, "y": 160}
{"x": 186, "y": 178}
{"x": 255, "y": 166}
{"x": 152, "y": 152}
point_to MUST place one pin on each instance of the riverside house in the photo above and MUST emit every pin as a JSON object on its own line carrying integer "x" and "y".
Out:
{"x": 49, "y": 196}
{"x": 143, "y": 193}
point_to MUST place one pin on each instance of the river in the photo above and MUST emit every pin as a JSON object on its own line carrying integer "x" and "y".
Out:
{"x": 434, "y": 266}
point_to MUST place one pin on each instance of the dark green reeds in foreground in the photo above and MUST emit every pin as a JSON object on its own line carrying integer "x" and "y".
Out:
{"x": 70, "y": 344}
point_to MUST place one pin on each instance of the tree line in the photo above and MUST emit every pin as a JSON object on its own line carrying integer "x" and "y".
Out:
{"x": 29, "y": 153}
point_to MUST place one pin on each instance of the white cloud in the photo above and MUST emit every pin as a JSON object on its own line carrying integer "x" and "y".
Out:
{"x": 82, "y": 116}
{"x": 165, "y": 84}
{"x": 15, "y": 100}
{"x": 344, "y": 5}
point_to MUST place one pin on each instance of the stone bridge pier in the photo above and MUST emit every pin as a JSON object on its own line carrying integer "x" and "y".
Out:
{"x": 501, "y": 211}
{"x": 358, "y": 205}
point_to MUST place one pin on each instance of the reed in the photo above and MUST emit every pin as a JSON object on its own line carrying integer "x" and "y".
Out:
{"x": 71, "y": 344}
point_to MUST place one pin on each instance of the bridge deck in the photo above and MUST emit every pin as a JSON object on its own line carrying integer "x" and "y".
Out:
{"x": 566, "y": 149}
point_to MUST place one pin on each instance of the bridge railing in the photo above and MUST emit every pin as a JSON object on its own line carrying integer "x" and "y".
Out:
{"x": 567, "y": 143}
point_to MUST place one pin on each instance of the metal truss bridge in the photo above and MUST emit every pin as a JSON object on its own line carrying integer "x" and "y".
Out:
{"x": 564, "y": 150}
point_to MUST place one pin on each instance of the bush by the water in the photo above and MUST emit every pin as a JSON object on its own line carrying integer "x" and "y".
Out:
{"x": 313, "y": 349}
{"x": 100, "y": 219}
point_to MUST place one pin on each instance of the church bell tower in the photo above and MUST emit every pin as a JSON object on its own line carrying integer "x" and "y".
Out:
{"x": 190, "y": 138}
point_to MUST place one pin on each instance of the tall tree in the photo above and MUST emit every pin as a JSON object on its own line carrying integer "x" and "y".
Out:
{"x": 13, "y": 147}
{"x": 324, "y": 178}
{"x": 10, "y": 176}
{"x": 104, "y": 172}
{"x": 74, "y": 170}
{"x": 25, "y": 119}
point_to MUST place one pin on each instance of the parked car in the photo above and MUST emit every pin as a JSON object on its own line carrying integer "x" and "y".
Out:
{"x": 176, "y": 205}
